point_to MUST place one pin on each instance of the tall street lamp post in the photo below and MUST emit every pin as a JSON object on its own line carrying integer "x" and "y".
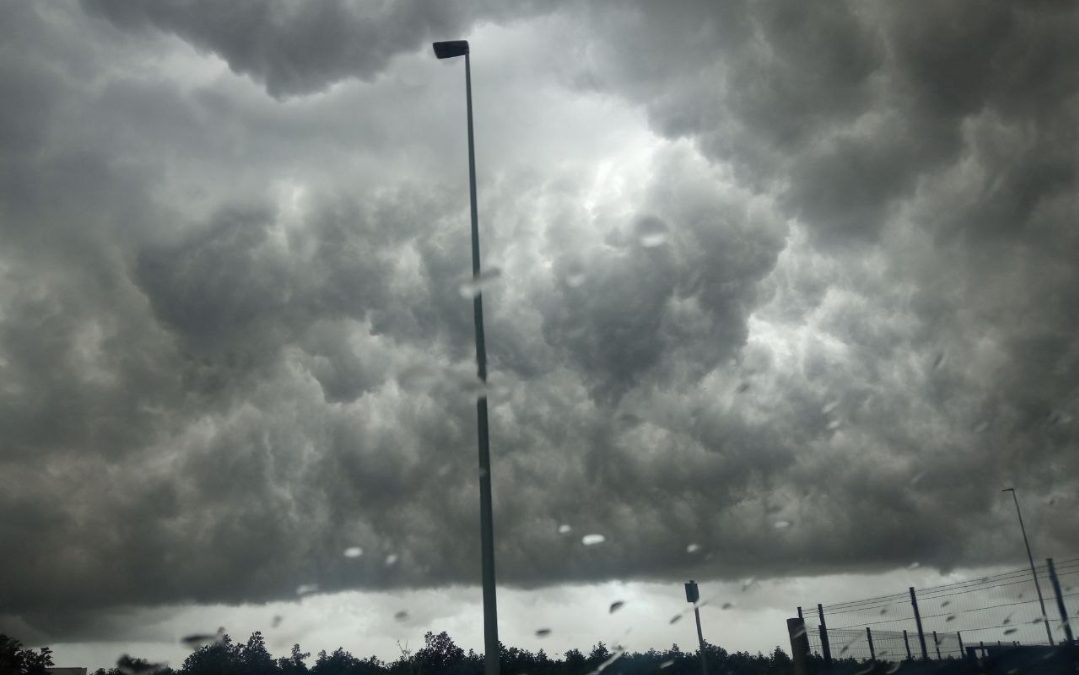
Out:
{"x": 446, "y": 50}
{"x": 1030, "y": 557}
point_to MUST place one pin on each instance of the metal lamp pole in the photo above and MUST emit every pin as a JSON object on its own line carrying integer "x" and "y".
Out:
{"x": 445, "y": 50}
{"x": 1030, "y": 557}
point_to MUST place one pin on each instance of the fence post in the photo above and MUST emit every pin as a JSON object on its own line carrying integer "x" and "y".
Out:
{"x": 936, "y": 642}
{"x": 918, "y": 622}
{"x": 869, "y": 639}
{"x": 959, "y": 636}
{"x": 800, "y": 614}
{"x": 824, "y": 646}
{"x": 1060, "y": 601}
{"x": 796, "y": 628}
{"x": 906, "y": 643}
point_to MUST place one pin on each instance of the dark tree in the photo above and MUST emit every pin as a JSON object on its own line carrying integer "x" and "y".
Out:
{"x": 15, "y": 660}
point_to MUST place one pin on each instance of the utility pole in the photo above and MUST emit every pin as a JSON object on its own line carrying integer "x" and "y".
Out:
{"x": 692, "y": 596}
{"x": 1033, "y": 572}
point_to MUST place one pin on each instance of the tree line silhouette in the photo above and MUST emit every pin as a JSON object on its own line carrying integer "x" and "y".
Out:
{"x": 438, "y": 656}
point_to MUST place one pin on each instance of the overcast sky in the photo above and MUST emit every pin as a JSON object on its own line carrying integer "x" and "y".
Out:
{"x": 794, "y": 282}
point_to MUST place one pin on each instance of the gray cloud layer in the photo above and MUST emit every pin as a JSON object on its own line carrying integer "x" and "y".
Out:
{"x": 860, "y": 321}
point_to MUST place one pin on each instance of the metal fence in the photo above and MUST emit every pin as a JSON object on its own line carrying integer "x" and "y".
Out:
{"x": 997, "y": 610}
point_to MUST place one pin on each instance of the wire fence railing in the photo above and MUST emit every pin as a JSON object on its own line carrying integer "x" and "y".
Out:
{"x": 942, "y": 622}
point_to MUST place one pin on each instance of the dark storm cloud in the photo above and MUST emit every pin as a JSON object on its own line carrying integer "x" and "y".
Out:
{"x": 852, "y": 315}
{"x": 302, "y": 48}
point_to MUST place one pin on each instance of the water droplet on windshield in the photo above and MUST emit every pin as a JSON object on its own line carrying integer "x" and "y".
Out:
{"x": 666, "y": 664}
{"x": 894, "y": 667}
{"x": 950, "y": 617}
{"x": 401, "y": 616}
{"x": 277, "y": 619}
{"x": 615, "y": 606}
{"x": 746, "y": 584}
{"x": 693, "y": 548}
{"x": 727, "y": 605}
{"x": 742, "y": 388}
{"x": 917, "y": 478}
{"x": 652, "y": 232}
{"x": 133, "y": 666}
{"x": 830, "y": 406}
{"x": 1037, "y": 619}
{"x": 834, "y": 424}
{"x": 197, "y": 640}
{"x": 391, "y": 560}
{"x": 945, "y": 603}
{"x": 914, "y": 565}
{"x": 676, "y": 618}
{"x": 939, "y": 360}
{"x": 306, "y": 589}
{"x": 981, "y": 426}
{"x": 781, "y": 524}
{"x": 353, "y": 552}
{"x": 564, "y": 528}
{"x": 543, "y": 632}
{"x": 799, "y": 632}
{"x": 1009, "y": 631}
{"x": 884, "y": 611}
{"x": 593, "y": 539}
{"x": 473, "y": 286}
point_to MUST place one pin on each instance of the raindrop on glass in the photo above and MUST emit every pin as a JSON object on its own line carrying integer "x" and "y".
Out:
{"x": 676, "y": 618}
{"x": 981, "y": 426}
{"x": 834, "y": 424}
{"x": 593, "y": 539}
{"x": 306, "y": 589}
{"x": 353, "y": 552}
{"x": 652, "y": 232}
{"x": 748, "y": 582}
{"x": 799, "y": 632}
{"x": 917, "y": 478}
{"x": 1037, "y": 619}
{"x": 1009, "y": 631}
{"x": 781, "y": 524}
{"x": 894, "y": 667}
{"x": 401, "y": 616}
{"x": 693, "y": 548}
{"x": 197, "y": 640}
{"x": 391, "y": 560}
{"x": 742, "y": 388}
{"x": 666, "y": 664}
{"x": 939, "y": 360}
{"x": 884, "y": 611}
{"x": 914, "y": 565}
{"x": 727, "y": 605}
{"x": 543, "y": 632}
{"x": 564, "y": 528}
{"x": 615, "y": 606}
{"x": 950, "y": 617}
{"x": 131, "y": 666}
{"x": 829, "y": 407}
{"x": 473, "y": 286}
{"x": 277, "y": 619}
{"x": 945, "y": 603}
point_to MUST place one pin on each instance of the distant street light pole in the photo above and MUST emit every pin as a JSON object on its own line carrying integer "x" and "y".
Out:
{"x": 1030, "y": 557}
{"x": 445, "y": 50}
{"x": 693, "y": 595}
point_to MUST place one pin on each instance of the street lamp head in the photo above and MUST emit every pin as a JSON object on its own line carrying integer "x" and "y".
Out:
{"x": 446, "y": 50}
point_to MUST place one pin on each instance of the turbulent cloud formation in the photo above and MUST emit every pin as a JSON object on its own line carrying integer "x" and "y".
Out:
{"x": 795, "y": 282}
